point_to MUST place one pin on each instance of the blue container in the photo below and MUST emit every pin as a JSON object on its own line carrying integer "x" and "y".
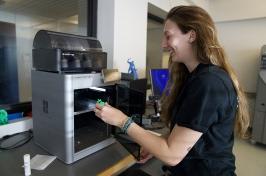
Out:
{"x": 14, "y": 116}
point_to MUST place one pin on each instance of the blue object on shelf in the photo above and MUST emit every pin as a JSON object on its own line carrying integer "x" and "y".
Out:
{"x": 14, "y": 116}
{"x": 132, "y": 69}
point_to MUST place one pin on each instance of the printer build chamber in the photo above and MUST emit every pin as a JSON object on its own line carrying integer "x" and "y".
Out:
{"x": 61, "y": 125}
{"x": 63, "y": 98}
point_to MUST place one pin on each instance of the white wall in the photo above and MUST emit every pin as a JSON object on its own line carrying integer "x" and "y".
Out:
{"x": 166, "y": 5}
{"x": 130, "y": 34}
{"x": 242, "y": 41}
{"x": 122, "y": 30}
{"x": 202, "y": 3}
{"x": 242, "y": 32}
{"x": 224, "y": 10}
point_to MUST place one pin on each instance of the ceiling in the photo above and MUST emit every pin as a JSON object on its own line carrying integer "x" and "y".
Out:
{"x": 44, "y": 8}
{"x": 62, "y": 9}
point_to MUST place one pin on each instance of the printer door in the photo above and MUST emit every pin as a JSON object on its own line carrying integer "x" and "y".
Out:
{"x": 131, "y": 102}
{"x": 130, "y": 145}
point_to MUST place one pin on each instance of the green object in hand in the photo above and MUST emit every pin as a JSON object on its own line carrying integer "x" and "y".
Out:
{"x": 100, "y": 102}
{"x": 3, "y": 117}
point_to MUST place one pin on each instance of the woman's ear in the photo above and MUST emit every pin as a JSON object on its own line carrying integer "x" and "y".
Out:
{"x": 192, "y": 36}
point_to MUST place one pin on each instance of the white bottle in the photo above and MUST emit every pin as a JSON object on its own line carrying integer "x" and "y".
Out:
{"x": 27, "y": 169}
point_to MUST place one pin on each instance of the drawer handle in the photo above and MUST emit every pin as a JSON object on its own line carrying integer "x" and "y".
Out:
{"x": 262, "y": 104}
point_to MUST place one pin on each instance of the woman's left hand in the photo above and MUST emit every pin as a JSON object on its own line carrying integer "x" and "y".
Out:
{"x": 110, "y": 115}
{"x": 144, "y": 156}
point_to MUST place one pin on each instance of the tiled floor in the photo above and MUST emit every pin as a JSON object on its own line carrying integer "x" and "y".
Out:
{"x": 250, "y": 158}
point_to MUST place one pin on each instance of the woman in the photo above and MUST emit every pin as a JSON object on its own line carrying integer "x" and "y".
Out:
{"x": 202, "y": 104}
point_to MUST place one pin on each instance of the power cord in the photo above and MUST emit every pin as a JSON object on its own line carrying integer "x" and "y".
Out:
{"x": 22, "y": 138}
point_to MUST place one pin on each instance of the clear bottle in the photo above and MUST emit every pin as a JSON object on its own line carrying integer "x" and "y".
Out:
{"x": 27, "y": 169}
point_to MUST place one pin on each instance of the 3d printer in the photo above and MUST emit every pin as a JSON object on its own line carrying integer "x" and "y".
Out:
{"x": 64, "y": 93}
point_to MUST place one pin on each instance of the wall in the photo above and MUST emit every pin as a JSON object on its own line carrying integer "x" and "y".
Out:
{"x": 166, "y": 5}
{"x": 130, "y": 34}
{"x": 237, "y": 9}
{"x": 154, "y": 49}
{"x": 242, "y": 40}
{"x": 123, "y": 33}
{"x": 202, "y": 3}
{"x": 105, "y": 28}
{"x": 242, "y": 33}
{"x": 122, "y": 30}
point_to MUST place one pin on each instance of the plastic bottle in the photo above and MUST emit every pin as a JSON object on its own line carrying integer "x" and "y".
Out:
{"x": 27, "y": 169}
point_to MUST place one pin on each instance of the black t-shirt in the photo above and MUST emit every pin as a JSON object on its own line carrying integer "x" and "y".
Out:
{"x": 207, "y": 103}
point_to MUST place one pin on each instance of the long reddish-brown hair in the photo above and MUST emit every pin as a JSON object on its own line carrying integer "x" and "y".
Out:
{"x": 207, "y": 50}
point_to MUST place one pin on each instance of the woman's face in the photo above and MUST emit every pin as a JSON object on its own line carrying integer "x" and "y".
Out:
{"x": 178, "y": 44}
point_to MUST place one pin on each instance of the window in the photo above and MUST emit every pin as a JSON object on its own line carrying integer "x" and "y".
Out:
{"x": 19, "y": 22}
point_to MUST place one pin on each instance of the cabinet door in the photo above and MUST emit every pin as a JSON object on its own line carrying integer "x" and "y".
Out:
{"x": 258, "y": 126}
{"x": 264, "y": 131}
{"x": 261, "y": 96}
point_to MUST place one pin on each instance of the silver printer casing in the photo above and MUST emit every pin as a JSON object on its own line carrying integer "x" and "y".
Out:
{"x": 53, "y": 113}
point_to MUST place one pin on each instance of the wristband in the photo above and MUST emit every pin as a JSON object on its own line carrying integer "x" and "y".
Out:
{"x": 128, "y": 122}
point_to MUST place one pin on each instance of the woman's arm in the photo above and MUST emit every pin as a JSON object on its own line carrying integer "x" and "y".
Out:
{"x": 170, "y": 150}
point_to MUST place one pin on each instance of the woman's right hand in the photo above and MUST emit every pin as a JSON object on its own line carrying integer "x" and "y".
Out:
{"x": 144, "y": 156}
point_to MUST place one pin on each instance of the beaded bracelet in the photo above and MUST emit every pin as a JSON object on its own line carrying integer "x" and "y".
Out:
{"x": 128, "y": 122}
